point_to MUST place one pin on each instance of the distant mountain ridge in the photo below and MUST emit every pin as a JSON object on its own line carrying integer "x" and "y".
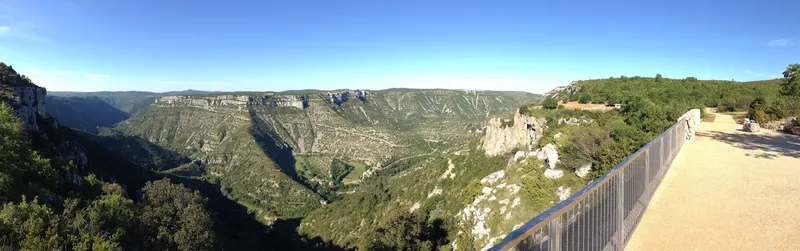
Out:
{"x": 128, "y": 101}
{"x": 133, "y": 101}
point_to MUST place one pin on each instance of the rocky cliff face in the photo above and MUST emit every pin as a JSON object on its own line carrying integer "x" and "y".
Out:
{"x": 28, "y": 102}
{"x": 503, "y": 135}
{"x": 236, "y": 102}
{"x": 296, "y": 101}
{"x": 27, "y": 99}
{"x": 338, "y": 98}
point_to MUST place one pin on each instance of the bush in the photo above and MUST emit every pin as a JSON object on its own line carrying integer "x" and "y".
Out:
{"x": 538, "y": 189}
{"x": 550, "y": 103}
{"x": 585, "y": 98}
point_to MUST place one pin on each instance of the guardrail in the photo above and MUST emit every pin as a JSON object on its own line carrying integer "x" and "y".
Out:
{"x": 602, "y": 215}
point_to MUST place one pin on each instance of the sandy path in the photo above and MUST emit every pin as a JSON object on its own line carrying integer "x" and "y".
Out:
{"x": 727, "y": 190}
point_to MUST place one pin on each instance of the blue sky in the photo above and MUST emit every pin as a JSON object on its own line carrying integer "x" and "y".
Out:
{"x": 89, "y": 45}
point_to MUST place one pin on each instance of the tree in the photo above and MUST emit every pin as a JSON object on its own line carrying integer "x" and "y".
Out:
{"x": 104, "y": 224}
{"x": 791, "y": 81}
{"x": 659, "y": 77}
{"x": 585, "y": 98}
{"x": 29, "y": 226}
{"x": 408, "y": 231}
{"x": 176, "y": 217}
{"x": 538, "y": 189}
{"x": 19, "y": 164}
{"x": 550, "y": 103}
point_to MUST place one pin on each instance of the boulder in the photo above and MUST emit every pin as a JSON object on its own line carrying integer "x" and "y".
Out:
{"x": 563, "y": 193}
{"x": 493, "y": 177}
{"x": 583, "y": 170}
{"x": 548, "y": 153}
{"x": 751, "y": 127}
{"x": 553, "y": 173}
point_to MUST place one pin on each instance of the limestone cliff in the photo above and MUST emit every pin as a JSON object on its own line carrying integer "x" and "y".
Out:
{"x": 503, "y": 135}
{"x": 27, "y": 99}
{"x": 234, "y": 102}
{"x": 30, "y": 102}
{"x": 338, "y": 98}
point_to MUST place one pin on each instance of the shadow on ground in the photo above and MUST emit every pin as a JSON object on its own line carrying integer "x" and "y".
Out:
{"x": 271, "y": 144}
{"x": 771, "y": 145}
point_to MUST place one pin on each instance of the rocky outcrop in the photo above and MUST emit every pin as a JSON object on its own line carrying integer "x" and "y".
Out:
{"x": 553, "y": 173}
{"x": 583, "y": 170}
{"x": 28, "y": 102}
{"x": 563, "y": 193}
{"x": 548, "y": 153}
{"x": 299, "y": 102}
{"x": 240, "y": 101}
{"x": 501, "y": 137}
{"x": 338, "y": 98}
{"x": 574, "y": 121}
{"x": 560, "y": 91}
{"x": 784, "y": 124}
{"x": 73, "y": 152}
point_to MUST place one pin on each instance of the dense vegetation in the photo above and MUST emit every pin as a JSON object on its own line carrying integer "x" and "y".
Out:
{"x": 40, "y": 211}
{"x": 650, "y": 105}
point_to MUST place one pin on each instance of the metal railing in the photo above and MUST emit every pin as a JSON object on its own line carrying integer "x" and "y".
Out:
{"x": 602, "y": 215}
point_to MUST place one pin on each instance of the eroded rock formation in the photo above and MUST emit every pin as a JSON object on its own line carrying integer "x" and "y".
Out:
{"x": 501, "y": 136}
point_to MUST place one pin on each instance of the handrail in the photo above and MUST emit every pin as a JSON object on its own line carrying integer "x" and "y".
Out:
{"x": 608, "y": 206}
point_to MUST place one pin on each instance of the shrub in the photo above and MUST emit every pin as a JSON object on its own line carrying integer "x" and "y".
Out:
{"x": 538, "y": 189}
{"x": 550, "y": 103}
{"x": 585, "y": 98}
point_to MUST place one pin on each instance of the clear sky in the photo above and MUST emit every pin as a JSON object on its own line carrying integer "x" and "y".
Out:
{"x": 91, "y": 45}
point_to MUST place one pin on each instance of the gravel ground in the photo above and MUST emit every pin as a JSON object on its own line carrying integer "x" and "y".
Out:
{"x": 727, "y": 190}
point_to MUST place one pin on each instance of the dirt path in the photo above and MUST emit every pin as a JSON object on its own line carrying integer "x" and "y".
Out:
{"x": 727, "y": 190}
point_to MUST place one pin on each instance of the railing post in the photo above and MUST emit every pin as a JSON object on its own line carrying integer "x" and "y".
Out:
{"x": 620, "y": 211}
{"x": 555, "y": 237}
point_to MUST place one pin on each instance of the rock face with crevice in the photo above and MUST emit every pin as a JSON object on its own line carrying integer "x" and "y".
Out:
{"x": 501, "y": 137}
{"x": 28, "y": 102}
